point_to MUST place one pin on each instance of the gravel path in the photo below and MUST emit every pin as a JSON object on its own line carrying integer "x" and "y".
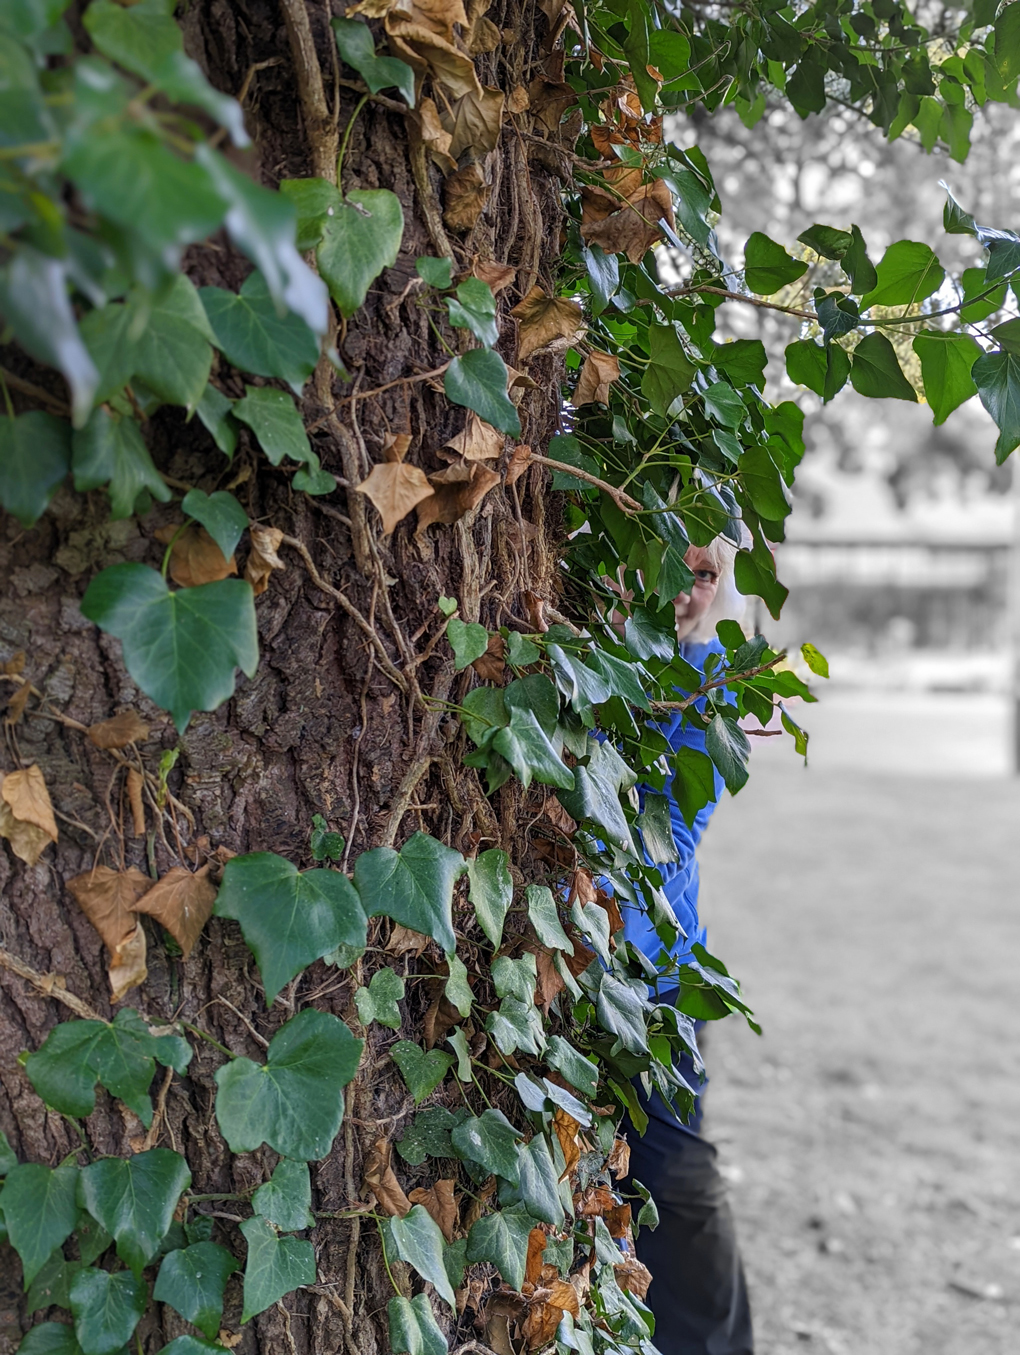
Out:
{"x": 871, "y": 1136}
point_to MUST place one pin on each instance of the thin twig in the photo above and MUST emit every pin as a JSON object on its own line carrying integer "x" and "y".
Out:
{"x": 718, "y": 682}
{"x": 24, "y": 387}
{"x": 50, "y": 985}
{"x": 740, "y": 296}
{"x": 622, "y": 500}
{"x": 385, "y": 662}
{"x": 320, "y": 128}
{"x": 378, "y": 390}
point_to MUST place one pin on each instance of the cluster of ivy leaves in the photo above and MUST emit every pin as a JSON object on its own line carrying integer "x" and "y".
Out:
{"x": 685, "y": 448}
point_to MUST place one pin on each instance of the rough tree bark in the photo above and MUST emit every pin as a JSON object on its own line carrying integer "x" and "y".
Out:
{"x": 337, "y": 720}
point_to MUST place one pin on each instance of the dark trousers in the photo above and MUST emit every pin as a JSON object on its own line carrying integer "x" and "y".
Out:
{"x": 698, "y": 1292}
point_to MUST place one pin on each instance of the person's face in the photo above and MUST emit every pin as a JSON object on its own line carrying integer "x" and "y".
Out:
{"x": 690, "y": 607}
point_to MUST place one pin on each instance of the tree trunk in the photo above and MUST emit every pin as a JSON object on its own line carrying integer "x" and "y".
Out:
{"x": 337, "y": 720}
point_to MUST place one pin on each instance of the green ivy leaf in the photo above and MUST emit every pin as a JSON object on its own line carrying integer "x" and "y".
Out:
{"x": 215, "y": 410}
{"x": 516, "y": 977}
{"x": 458, "y": 1042}
{"x": 121, "y": 1055}
{"x": 35, "y": 303}
{"x": 413, "y": 1327}
{"x": 110, "y": 333}
{"x": 413, "y": 886}
{"x": 378, "y": 1002}
{"x": 35, "y": 456}
{"x": 596, "y": 794}
{"x": 220, "y": 514}
{"x": 490, "y": 1140}
{"x": 516, "y": 1025}
{"x": 997, "y": 377}
{"x": 468, "y": 640}
{"x": 729, "y": 749}
{"x": 289, "y": 918}
{"x": 182, "y": 647}
{"x": 428, "y": 1135}
{"x": 1006, "y": 47}
{"x": 474, "y": 308}
{"x": 669, "y": 372}
{"x": 111, "y": 451}
{"x": 876, "y": 371}
{"x": 293, "y": 1101}
{"x": 946, "y": 363}
{"x": 529, "y": 751}
{"x": 262, "y": 224}
{"x": 192, "y": 1281}
{"x": 325, "y": 846}
{"x": 106, "y": 1308}
{"x": 478, "y": 380}
{"x": 354, "y": 39}
{"x": 150, "y": 44}
{"x": 621, "y": 1011}
{"x": 275, "y": 1266}
{"x": 502, "y": 1239}
{"x": 172, "y": 354}
{"x": 579, "y": 1071}
{"x": 286, "y": 1198}
{"x": 360, "y": 238}
{"x": 313, "y": 200}
{"x": 8, "y": 1161}
{"x": 40, "y": 1211}
{"x": 254, "y": 337}
{"x": 436, "y": 273}
{"x": 540, "y": 1181}
{"x": 418, "y": 1241}
{"x": 491, "y": 891}
{"x": 743, "y": 360}
{"x": 827, "y": 241}
{"x": 767, "y": 266}
{"x": 53, "y": 1283}
{"x": 276, "y": 422}
{"x": 656, "y": 829}
{"x": 50, "y": 1338}
{"x": 134, "y": 1199}
{"x": 909, "y": 273}
{"x": 421, "y": 1070}
{"x": 763, "y": 483}
{"x": 545, "y": 918}
{"x": 458, "y": 990}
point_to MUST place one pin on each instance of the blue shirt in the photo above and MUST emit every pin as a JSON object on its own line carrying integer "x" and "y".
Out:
{"x": 680, "y": 878}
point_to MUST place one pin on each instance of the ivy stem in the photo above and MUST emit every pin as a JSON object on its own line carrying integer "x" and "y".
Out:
{"x": 386, "y": 1259}
{"x": 204, "y": 1035}
{"x": 7, "y": 397}
{"x": 347, "y": 136}
{"x": 169, "y": 547}
{"x": 193, "y": 1198}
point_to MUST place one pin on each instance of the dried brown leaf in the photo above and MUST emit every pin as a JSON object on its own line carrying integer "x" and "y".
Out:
{"x": 548, "y": 101}
{"x": 497, "y": 275}
{"x": 519, "y": 100}
{"x": 474, "y": 122}
{"x": 183, "y": 902}
{"x": 16, "y": 704}
{"x": 135, "y": 782}
{"x": 262, "y": 558}
{"x": 595, "y": 1202}
{"x": 15, "y": 665}
{"x": 380, "y": 1180}
{"x": 547, "y": 322}
{"x": 582, "y": 887}
{"x": 490, "y": 666}
{"x": 633, "y": 1277}
{"x": 403, "y": 939}
{"x": 598, "y": 372}
{"x": 465, "y": 195}
{"x": 520, "y": 458}
{"x": 539, "y": 1327}
{"x": 535, "y": 607}
{"x": 550, "y": 985}
{"x": 440, "y": 1202}
{"x": 440, "y": 1018}
{"x": 450, "y": 502}
{"x": 536, "y": 1248}
{"x": 434, "y": 135}
{"x": 127, "y": 968}
{"x": 617, "y": 1220}
{"x": 633, "y": 229}
{"x": 372, "y": 9}
{"x": 619, "y": 1159}
{"x": 395, "y": 488}
{"x": 395, "y": 447}
{"x": 28, "y": 842}
{"x": 428, "y": 52}
{"x": 608, "y": 902}
{"x": 566, "y": 1128}
{"x": 194, "y": 556}
{"x": 127, "y": 726}
{"x": 563, "y": 1296}
{"x": 481, "y": 34}
{"x": 477, "y": 440}
{"x": 107, "y": 898}
{"x": 26, "y": 795}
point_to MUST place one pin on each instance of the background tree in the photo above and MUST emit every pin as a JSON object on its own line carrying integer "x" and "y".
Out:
{"x": 251, "y": 925}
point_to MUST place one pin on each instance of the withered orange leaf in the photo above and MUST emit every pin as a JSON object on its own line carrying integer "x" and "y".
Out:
{"x": 520, "y": 459}
{"x": 379, "y": 1178}
{"x": 28, "y": 841}
{"x": 519, "y": 100}
{"x": 618, "y": 1161}
{"x": 107, "y": 897}
{"x": 633, "y": 229}
{"x": 536, "y": 1249}
{"x": 465, "y": 195}
{"x": 450, "y": 502}
{"x": 395, "y": 447}
{"x": 547, "y": 322}
{"x": 127, "y": 968}
{"x": 477, "y": 440}
{"x": 15, "y": 665}
{"x": 127, "y": 726}
{"x": 262, "y": 558}
{"x": 598, "y": 372}
{"x": 28, "y": 799}
{"x": 497, "y": 275}
{"x": 135, "y": 783}
{"x": 395, "y": 488}
{"x": 434, "y": 135}
{"x": 566, "y": 1128}
{"x": 633, "y": 1277}
{"x": 439, "y": 1201}
{"x": 490, "y": 666}
{"x": 16, "y": 703}
{"x": 195, "y": 557}
{"x": 427, "y": 52}
{"x": 474, "y": 122}
{"x": 183, "y": 902}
